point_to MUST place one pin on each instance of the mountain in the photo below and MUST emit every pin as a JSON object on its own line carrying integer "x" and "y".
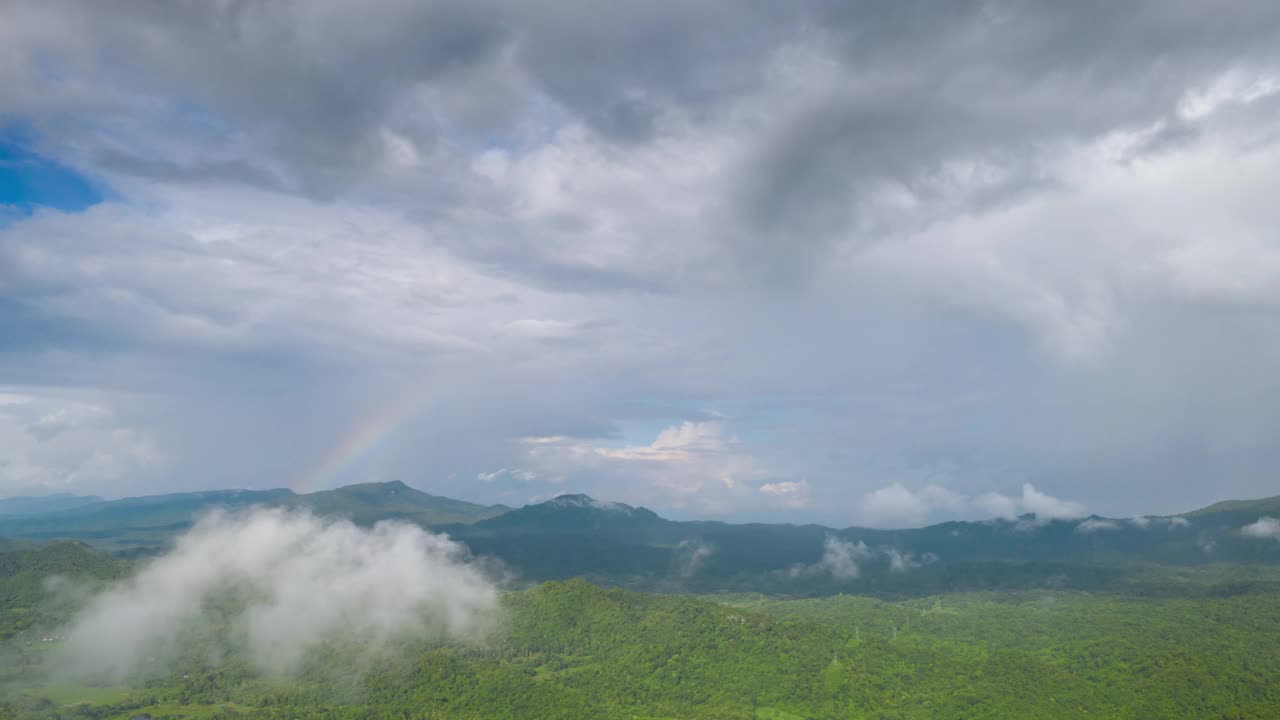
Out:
{"x": 368, "y": 503}
{"x": 25, "y": 569}
{"x": 613, "y": 543}
{"x": 31, "y": 505}
{"x": 134, "y": 523}
{"x": 575, "y": 514}
{"x": 1241, "y": 509}
{"x": 619, "y": 544}
{"x": 149, "y": 522}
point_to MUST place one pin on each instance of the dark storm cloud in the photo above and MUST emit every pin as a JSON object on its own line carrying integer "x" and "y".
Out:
{"x": 924, "y": 89}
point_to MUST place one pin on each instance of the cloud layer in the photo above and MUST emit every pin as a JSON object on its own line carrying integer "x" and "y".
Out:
{"x": 896, "y": 506}
{"x": 842, "y": 249}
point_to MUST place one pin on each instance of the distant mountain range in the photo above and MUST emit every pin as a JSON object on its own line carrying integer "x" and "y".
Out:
{"x": 28, "y": 505}
{"x": 143, "y": 524}
{"x": 614, "y": 543}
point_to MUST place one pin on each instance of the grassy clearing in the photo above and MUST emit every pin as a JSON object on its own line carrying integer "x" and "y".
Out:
{"x": 81, "y": 694}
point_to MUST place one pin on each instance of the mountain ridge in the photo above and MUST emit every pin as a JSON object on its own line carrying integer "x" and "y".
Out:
{"x": 576, "y": 535}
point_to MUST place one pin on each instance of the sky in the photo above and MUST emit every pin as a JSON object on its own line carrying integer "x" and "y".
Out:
{"x": 874, "y": 263}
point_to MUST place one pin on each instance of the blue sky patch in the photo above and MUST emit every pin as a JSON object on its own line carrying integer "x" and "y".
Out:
{"x": 29, "y": 180}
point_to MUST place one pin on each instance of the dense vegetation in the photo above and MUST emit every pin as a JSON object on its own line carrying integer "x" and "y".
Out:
{"x": 574, "y": 650}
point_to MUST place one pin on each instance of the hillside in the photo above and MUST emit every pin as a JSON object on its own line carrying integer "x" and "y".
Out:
{"x": 576, "y": 514}
{"x": 30, "y": 505}
{"x": 636, "y": 548}
{"x": 572, "y": 650}
{"x": 25, "y": 600}
{"x": 1242, "y": 508}
{"x": 148, "y": 522}
{"x": 618, "y": 544}
{"x": 368, "y": 503}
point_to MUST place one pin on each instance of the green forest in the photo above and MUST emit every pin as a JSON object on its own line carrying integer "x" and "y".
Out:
{"x": 572, "y": 649}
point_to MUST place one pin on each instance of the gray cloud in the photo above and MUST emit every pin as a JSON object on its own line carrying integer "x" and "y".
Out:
{"x": 969, "y": 247}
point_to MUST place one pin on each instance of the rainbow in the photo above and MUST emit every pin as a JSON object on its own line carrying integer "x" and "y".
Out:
{"x": 354, "y": 445}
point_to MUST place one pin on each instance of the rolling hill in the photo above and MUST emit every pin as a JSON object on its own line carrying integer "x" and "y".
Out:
{"x": 143, "y": 524}
{"x": 31, "y": 505}
{"x": 618, "y": 544}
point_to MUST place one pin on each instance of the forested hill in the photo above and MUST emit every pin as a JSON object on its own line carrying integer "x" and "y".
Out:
{"x": 31, "y": 505}
{"x": 618, "y": 544}
{"x": 150, "y": 522}
{"x": 572, "y": 650}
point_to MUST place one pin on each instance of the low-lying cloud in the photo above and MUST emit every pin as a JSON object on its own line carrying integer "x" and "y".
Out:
{"x": 690, "y": 556}
{"x": 897, "y": 506}
{"x": 1093, "y": 525}
{"x": 1265, "y": 527}
{"x": 844, "y": 560}
{"x": 841, "y": 558}
{"x": 275, "y": 584}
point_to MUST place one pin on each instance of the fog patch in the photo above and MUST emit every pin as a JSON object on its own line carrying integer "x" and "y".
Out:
{"x": 271, "y": 585}
{"x": 690, "y": 556}
{"x": 1093, "y": 525}
{"x": 900, "y": 562}
{"x": 844, "y": 560}
{"x": 840, "y": 558}
{"x": 1265, "y": 527}
{"x": 1155, "y": 521}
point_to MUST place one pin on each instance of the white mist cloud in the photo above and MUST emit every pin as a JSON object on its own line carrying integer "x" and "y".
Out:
{"x": 900, "y": 561}
{"x": 1155, "y": 521}
{"x": 297, "y": 581}
{"x": 841, "y": 558}
{"x": 897, "y": 506}
{"x": 691, "y": 555}
{"x": 1047, "y": 507}
{"x": 1093, "y": 525}
{"x": 1265, "y": 527}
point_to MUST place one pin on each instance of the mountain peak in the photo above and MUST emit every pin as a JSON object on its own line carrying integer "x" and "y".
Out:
{"x": 390, "y": 487}
{"x": 579, "y": 500}
{"x": 573, "y": 512}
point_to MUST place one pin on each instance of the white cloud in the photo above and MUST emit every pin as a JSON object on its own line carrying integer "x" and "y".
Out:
{"x": 788, "y": 493}
{"x": 1093, "y": 525}
{"x": 1265, "y": 527}
{"x": 844, "y": 560}
{"x": 693, "y": 465}
{"x": 841, "y": 558}
{"x": 994, "y": 504}
{"x": 303, "y": 581}
{"x": 897, "y": 506}
{"x": 893, "y": 504}
{"x": 1047, "y": 507}
{"x": 523, "y": 476}
{"x": 52, "y": 442}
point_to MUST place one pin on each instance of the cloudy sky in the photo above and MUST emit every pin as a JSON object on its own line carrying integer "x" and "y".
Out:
{"x": 856, "y": 262}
